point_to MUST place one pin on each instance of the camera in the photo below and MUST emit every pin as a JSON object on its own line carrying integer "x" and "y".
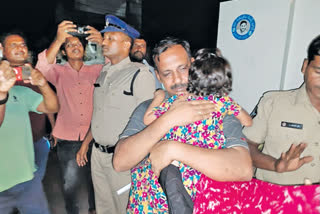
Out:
{"x": 81, "y": 31}
{"x": 22, "y": 73}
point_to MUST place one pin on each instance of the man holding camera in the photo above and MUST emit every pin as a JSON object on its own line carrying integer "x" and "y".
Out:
{"x": 74, "y": 82}
{"x": 38, "y": 121}
{"x": 20, "y": 186}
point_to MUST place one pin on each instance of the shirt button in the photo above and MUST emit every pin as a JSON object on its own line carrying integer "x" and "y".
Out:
{"x": 79, "y": 83}
{"x": 80, "y": 103}
{"x": 316, "y": 144}
{"x": 80, "y": 93}
{"x": 81, "y": 114}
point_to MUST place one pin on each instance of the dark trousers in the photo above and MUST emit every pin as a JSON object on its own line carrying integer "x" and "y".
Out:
{"x": 179, "y": 200}
{"x": 73, "y": 175}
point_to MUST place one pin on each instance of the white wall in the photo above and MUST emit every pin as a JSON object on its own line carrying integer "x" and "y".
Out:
{"x": 305, "y": 27}
{"x": 258, "y": 61}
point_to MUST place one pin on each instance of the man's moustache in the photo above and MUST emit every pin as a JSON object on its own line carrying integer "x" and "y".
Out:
{"x": 184, "y": 85}
{"x": 138, "y": 52}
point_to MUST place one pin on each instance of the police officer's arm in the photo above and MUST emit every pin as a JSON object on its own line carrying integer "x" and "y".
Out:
{"x": 62, "y": 33}
{"x": 230, "y": 164}
{"x": 288, "y": 161}
{"x": 7, "y": 80}
{"x": 256, "y": 134}
{"x": 133, "y": 149}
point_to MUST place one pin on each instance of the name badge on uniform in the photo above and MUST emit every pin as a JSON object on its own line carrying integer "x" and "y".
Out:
{"x": 291, "y": 125}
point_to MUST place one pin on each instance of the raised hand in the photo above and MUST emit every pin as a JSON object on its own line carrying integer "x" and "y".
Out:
{"x": 291, "y": 160}
{"x": 63, "y": 30}
{"x": 94, "y": 35}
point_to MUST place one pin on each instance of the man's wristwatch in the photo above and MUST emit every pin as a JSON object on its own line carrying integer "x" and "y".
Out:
{"x": 4, "y": 101}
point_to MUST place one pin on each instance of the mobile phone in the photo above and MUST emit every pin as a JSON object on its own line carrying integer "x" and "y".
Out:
{"x": 81, "y": 32}
{"x": 22, "y": 73}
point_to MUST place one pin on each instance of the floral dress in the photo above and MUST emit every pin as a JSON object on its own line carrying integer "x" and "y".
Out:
{"x": 146, "y": 194}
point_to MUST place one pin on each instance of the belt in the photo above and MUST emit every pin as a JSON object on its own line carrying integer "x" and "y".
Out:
{"x": 108, "y": 149}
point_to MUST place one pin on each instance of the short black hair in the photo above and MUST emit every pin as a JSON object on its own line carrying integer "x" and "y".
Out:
{"x": 209, "y": 74}
{"x": 166, "y": 43}
{"x": 243, "y": 21}
{"x": 4, "y": 36}
{"x": 17, "y": 32}
{"x": 314, "y": 48}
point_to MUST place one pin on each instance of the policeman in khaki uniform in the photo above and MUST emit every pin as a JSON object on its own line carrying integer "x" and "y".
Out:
{"x": 121, "y": 86}
{"x": 288, "y": 124}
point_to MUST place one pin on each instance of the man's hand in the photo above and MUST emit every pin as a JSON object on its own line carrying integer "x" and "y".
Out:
{"x": 7, "y": 76}
{"x": 82, "y": 155}
{"x": 95, "y": 36}
{"x": 63, "y": 28}
{"x": 53, "y": 140}
{"x": 36, "y": 77}
{"x": 183, "y": 112}
{"x": 161, "y": 156}
{"x": 290, "y": 160}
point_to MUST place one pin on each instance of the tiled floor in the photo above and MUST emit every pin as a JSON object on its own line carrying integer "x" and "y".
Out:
{"x": 52, "y": 185}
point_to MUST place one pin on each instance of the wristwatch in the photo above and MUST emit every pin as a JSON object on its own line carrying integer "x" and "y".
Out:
{"x": 4, "y": 101}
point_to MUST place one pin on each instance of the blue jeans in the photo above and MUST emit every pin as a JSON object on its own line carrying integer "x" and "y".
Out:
{"x": 27, "y": 197}
{"x": 73, "y": 175}
{"x": 41, "y": 152}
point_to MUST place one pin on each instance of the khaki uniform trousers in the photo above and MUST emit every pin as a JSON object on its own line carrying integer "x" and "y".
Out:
{"x": 107, "y": 182}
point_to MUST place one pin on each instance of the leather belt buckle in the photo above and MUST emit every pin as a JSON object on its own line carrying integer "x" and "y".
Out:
{"x": 108, "y": 149}
{"x": 101, "y": 148}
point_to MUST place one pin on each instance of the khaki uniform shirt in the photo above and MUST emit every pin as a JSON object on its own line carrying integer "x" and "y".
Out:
{"x": 285, "y": 118}
{"x": 112, "y": 108}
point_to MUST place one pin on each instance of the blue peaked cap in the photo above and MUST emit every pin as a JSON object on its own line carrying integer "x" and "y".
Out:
{"x": 114, "y": 24}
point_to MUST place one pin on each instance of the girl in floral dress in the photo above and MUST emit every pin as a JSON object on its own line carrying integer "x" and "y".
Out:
{"x": 209, "y": 79}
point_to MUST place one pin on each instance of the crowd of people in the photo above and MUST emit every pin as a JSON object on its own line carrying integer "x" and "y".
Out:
{"x": 162, "y": 139}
